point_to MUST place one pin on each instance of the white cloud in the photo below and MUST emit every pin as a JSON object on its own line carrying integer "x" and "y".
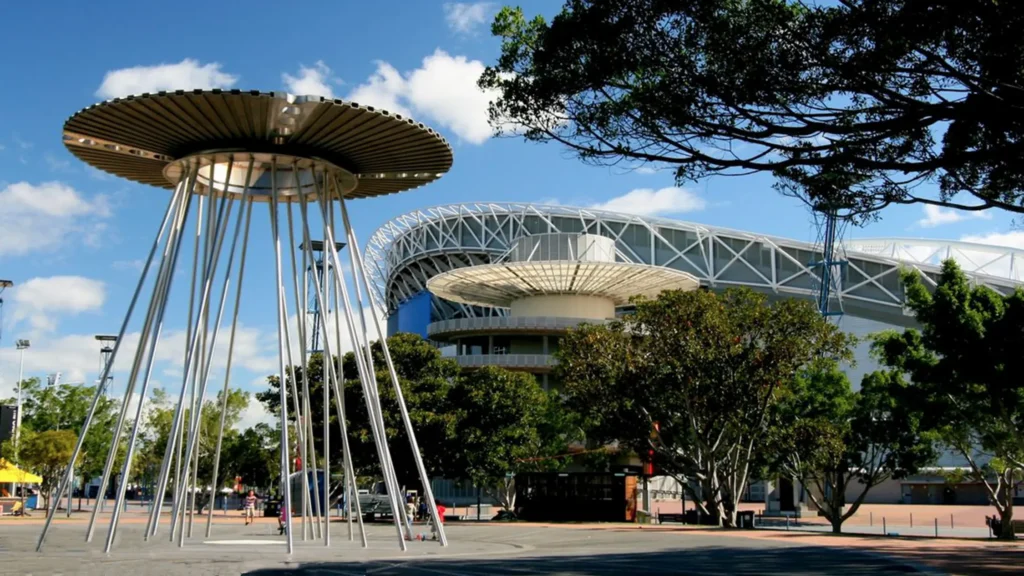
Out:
{"x": 466, "y": 18}
{"x": 129, "y": 265}
{"x": 442, "y": 90}
{"x": 253, "y": 414}
{"x": 1013, "y": 239}
{"x": 41, "y": 217}
{"x": 39, "y": 300}
{"x": 315, "y": 81}
{"x": 650, "y": 202}
{"x": 938, "y": 216}
{"x": 188, "y": 74}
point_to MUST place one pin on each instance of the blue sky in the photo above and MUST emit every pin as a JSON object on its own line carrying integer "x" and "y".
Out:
{"x": 71, "y": 238}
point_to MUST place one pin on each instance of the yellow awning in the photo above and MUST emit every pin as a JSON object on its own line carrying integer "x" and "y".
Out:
{"x": 10, "y": 474}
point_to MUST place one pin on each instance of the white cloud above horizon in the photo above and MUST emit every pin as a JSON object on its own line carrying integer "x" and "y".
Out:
{"x": 189, "y": 74}
{"x": 42, "y": 300}
{"x": 442, "y": 90}
{"x": 467, "y": 17}
{"x": 41, "y": 217}
{"x": 311, "y": 81}
{"x": 650, "y": 202}
{"x": 1012, "y": 239}
{"x": 939, "y": 216}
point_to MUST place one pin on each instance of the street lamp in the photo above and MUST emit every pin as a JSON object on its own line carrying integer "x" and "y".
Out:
{"x": 20, "y": 345}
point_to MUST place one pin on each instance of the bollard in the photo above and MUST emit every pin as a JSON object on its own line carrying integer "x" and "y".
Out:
{"x": 936, "y": 527}
{"x": 871, "y": 518}
{"x": 787, "y": 522}
{"x": 950, "y": 521}
{"x": 884, "y": 531}
{"x": 911, "y": 519}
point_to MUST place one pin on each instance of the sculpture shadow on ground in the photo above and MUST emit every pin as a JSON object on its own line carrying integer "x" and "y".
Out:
{"x": 698, "y": 561}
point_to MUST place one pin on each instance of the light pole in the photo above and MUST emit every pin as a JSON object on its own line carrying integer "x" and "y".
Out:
{"x": 20, "y": 345}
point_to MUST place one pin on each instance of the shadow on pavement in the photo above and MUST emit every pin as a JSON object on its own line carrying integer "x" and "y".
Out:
{"x": 698, "y": 561}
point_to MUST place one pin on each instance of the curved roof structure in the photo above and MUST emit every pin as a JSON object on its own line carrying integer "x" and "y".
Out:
{"x": 136, "y": 137}
{"x": 502, "y": 283}
{"x": 405, "y": 253}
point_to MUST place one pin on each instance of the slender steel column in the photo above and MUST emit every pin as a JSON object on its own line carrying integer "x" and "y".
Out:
{"x": 379, "y": 432}
{"x": 144, "y": 336}
{"x": 197, "y": 417}
{"x": 119, "y": 501}
{"x": 357, "y": 269}
{"x": 247, "y": 207}
{"x": 427, "y": 489}
{"x": 281, "y": 336}
{"x": 309, "y": 453}
{"x": 176, "y": 198}
{"x": 207, "y": 359}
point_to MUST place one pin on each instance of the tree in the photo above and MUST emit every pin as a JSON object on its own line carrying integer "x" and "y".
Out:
{"x": 65, "y": 407}
{"x": 47, "y": 454}
{"x": 254, "y": 455}
{"x": 965, "y": 367}
{"x": 692, "y": 377}
{"x": 506, "y": 424}
{"x": 426, "y": 379}
{"x": 851, "y": 105}
{"x": 832, "y": 438}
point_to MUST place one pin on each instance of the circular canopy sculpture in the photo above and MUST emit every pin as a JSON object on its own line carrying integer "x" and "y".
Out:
{"x": 558, "y": 274}
{"x": 299, "y": 157}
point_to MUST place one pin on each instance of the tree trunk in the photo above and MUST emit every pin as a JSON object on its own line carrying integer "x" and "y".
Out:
{"x": 1005, "y": 508}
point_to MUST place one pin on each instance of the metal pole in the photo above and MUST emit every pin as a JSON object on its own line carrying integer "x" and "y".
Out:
{"x": 184, "y": 189}
{"x": 149, "y": 370}
{"x": 193, "y": 440}
{"x": 281, "y": 329}
{"x": 410, "y": 432}
{"x": 21, "y": 384}
{"x": 307, "y": 427}
{"x": 247, "y": 207}
{"x": 375, "y": 424}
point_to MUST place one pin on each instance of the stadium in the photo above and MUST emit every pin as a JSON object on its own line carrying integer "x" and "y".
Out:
{"x": 417, "y": 254}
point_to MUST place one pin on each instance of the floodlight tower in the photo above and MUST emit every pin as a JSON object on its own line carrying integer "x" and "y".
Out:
{"x": 314, "y": 273}
{"x": 831, "y": 227}
{"x": 298, "y": 159}
{"x": 106, "y": 351}
{"x": 4, "y": 284}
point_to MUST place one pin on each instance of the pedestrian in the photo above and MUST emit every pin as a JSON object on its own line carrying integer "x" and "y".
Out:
{"x": 282, "y": 519}
{"x": 440, "y": 516}
{"x": 250, "y": 508}
{"x": 410, "y": 508}
{"x": 423, "y": 508}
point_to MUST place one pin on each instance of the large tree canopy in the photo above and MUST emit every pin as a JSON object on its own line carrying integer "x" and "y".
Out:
{"x": 690, "y": 378}
{"x": 966, "y": 370}
{"x": 851, "y": 105}
{"x": 839, "y": 442}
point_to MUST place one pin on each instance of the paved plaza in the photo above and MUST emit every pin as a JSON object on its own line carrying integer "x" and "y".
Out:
{"x": 518, "y": 549}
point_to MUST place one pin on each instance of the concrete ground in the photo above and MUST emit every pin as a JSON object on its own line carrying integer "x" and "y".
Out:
{"x": 491, "y": 549}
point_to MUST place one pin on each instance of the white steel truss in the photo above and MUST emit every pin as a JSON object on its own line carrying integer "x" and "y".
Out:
{"x": 412, "y": 248}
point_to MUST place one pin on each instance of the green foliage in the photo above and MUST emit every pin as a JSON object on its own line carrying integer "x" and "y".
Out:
{"x": 65, "y": 407}
{"x": 426, "y": 380}
{"x": 965, "y": 368}
{"x": 706, "y": 369}
{"x": 254, "y": 455}
{"x": 47, "y": 454}
{"x": 160, "y": 419}
{"x": 506, "y": 424}
{"x": 830, "y": 437}
{"x": 479, "y": 426}
{"x": 849, "y": 104}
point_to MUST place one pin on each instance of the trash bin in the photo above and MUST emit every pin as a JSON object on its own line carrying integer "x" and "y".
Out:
{"x": 271, "y": 508}
{"x": 31, "y": 502}
{"x": 745, "y": 519}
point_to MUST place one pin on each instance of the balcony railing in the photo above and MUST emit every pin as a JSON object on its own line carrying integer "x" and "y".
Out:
{"x": 540, "y": 361}
{"x": 507, "y": 323}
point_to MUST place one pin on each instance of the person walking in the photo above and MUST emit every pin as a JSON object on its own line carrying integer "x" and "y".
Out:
{"x": 440, "y": 516}
{"x": 250, "y": 508}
